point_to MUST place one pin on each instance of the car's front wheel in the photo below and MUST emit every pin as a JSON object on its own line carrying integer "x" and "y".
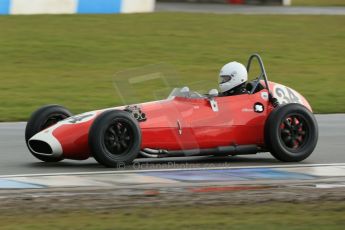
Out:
{"x": 291, "y": 133}
{"x": 115, "y": 138}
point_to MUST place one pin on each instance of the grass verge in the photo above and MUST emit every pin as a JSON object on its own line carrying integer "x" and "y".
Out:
{"x": 321, "y": 215}
{"x": 318, "y": 3}
{"x": 72, "y": 59}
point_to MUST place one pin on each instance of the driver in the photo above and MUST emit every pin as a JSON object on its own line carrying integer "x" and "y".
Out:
{"x": 232, "y": 79}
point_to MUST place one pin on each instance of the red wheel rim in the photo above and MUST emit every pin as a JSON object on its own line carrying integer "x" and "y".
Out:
{"x": 294, "y": 132}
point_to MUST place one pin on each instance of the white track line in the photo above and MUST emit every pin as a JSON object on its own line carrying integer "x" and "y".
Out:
{"x": 170, "y": 170}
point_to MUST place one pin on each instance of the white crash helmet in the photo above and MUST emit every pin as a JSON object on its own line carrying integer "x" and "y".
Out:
{"x": 231, "y": 75}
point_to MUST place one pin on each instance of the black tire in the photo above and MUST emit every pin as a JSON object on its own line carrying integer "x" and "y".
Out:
{"x": 115, "y": 138}
{"x": 41, "y": 119}
{"x": 291, "y": 133}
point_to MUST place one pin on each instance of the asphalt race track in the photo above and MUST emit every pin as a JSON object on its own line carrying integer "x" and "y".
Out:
{"x": 242, "y": 9}
{"x": 16, "y": 159}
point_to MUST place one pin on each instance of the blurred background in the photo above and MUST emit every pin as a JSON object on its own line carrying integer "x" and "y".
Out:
{"x": 69, "y": 51}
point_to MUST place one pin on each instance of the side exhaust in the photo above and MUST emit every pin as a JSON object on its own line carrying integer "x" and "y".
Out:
{"x": 222, "y": 150}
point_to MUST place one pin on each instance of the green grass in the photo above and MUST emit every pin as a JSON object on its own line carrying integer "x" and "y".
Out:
{"x": 72, "y": 59}
{"x": 318, "y": 2}
{"x": 256, "y": 216}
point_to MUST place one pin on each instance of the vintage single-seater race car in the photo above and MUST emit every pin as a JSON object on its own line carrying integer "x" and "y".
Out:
{"x": 270, "y": 117}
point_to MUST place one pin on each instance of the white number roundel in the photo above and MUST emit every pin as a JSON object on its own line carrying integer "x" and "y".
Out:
{"x": 286, "y": 95}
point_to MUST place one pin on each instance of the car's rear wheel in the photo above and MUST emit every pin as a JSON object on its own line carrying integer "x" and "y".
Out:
{"x": 41, "y": 119}
{"x": 291, "y": 133}
{"x": 115, "y": 138}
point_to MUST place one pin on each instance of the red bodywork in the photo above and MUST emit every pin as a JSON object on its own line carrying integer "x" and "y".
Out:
{"x": 186, "y": 123}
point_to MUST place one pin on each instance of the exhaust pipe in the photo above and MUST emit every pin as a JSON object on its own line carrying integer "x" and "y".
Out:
{"x": 222, "y": 150}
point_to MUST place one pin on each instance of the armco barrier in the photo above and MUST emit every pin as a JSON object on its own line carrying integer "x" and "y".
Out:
{"x": 75, "y": 6}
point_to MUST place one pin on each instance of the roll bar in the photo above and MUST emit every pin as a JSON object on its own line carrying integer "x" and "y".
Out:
{"x": 263, "y": 75}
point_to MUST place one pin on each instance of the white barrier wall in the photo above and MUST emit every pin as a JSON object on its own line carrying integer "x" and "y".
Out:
{"x": 286, "y": 2}
{"x": 133, "y": 6}
{"x": 75, "y": 6}
{"x": 43, "y": 6}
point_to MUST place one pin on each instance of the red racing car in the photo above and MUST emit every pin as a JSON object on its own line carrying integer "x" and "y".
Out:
{"x": 270, "y": 117}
